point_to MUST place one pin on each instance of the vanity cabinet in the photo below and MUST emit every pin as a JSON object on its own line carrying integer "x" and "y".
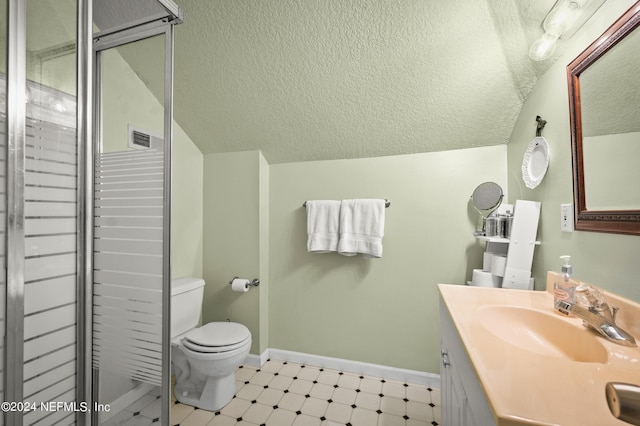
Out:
{"x": 463, "y": 400}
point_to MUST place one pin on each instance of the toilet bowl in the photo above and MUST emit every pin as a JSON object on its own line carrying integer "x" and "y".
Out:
{"x": 204, "y": 359}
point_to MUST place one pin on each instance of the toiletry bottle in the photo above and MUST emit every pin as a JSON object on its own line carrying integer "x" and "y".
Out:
{"x": 508, "y": 224}
{"x": 564, "y": 287}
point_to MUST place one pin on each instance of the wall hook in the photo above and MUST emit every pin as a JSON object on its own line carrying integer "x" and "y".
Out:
{"x": 540, "y": 125}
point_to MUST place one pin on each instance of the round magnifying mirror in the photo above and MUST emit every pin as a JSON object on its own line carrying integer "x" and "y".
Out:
{"x": 485, "y": 199}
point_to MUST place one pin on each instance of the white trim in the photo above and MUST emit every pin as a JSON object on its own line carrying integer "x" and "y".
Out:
{"x": 364, "y": 368}
{"x": 123, "y": 401}
{"x": 257, "y": 360}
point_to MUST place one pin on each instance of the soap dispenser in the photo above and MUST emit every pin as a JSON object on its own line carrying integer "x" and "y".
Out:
{"x": 564, "y": 287}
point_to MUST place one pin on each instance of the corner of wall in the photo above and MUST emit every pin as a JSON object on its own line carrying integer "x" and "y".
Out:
{"x": 236, "y": 240}
{"x": 187, "y": 207}
{"x": 264, "y": 183}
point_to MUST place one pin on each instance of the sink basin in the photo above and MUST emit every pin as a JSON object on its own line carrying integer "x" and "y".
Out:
{"x": 542, "y": 333}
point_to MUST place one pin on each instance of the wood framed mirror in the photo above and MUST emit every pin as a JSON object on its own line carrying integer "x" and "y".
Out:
{"x": 604, "y": 109}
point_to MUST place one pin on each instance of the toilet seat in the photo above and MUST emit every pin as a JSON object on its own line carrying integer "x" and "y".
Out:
{"x": 216, "y": 337}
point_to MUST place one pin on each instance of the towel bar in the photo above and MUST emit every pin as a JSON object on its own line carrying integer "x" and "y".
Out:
{"x": 387, "y": 203}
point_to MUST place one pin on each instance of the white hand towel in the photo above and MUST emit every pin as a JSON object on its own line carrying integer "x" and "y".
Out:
{"x": 361, "y": 227}
{"x": 323, "y": 221}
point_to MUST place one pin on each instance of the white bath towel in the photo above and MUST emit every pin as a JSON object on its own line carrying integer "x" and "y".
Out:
{"x": 361, "y": 227}
{"x": 323, "y": 221}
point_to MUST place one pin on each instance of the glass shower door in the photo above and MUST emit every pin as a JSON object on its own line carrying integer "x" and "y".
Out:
{"x": 131, "y": 214}
{"x": 50, "y": 212}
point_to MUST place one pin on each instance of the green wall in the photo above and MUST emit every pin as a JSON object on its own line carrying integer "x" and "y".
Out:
{"x": 385, "y": 311}
{"x": 382, "y": 311}
{"x": 608, "y": 260}
{"x": 186, "y": 207}
{"x": 235, "y": 240}
{"x": 264, "y": 234}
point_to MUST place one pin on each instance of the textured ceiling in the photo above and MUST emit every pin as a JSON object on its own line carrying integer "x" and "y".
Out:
{"x": 330, "y": 79}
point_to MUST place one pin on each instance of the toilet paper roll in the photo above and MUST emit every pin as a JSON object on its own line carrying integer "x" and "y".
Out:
{"x": 240, "y": 284}
{"x": 498, "y": 265}
{"x": 486, "y": 261}
{"x": 482, "y": 278}
{"x": 497, "y": 281}
{"x": 485, "y": 279}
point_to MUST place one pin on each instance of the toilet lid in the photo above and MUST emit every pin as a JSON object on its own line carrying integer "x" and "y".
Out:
{"x": 215, "y": 349}
{"x": 216, "y": 334}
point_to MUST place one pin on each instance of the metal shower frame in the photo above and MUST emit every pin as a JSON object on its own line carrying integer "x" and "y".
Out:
{"x": 152, "y": 26}
{"x": 86, "y": 45}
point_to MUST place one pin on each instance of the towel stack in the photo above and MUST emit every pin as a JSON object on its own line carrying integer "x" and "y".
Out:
{"x": 349, "y": 227}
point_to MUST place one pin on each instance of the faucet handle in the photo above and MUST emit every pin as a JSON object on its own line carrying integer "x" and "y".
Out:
{"x": 592, "y": 298}
{"x": 614, "y": 312}
{"x": 589, "y": 296}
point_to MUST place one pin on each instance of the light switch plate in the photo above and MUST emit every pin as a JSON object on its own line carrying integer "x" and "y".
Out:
{"x": 566, "y": 217}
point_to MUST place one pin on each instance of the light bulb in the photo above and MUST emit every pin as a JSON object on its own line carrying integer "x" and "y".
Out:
{"x": 561, "y": 17}
{"x": 543, "y": 47}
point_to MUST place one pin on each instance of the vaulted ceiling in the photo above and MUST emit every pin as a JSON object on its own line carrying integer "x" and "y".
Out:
{"x": 306, "y": 80}
{"x": 329, "y": 79}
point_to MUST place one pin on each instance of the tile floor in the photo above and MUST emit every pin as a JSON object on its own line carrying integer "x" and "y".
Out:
{"x": 285, "y": 393}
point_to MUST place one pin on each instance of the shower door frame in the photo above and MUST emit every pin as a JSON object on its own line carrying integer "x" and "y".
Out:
{"x": 101, "y": 42}
{"x": 16, "y": 135}
{"x": 85, "y": 133}
{"x": 16, "y": 113}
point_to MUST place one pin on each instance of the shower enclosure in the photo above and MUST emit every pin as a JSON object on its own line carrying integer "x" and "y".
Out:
{"x": 85, "y": 161}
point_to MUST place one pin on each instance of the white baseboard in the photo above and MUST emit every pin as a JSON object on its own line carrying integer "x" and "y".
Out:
{"x": 257, "y": 360}
{"x": 364, "y": 368}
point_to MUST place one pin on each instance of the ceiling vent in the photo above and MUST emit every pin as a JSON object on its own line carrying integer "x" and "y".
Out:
{"x": 142, "y": 139}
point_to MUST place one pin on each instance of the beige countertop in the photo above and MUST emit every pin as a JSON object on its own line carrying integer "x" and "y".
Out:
{"x": 528, "y": 388}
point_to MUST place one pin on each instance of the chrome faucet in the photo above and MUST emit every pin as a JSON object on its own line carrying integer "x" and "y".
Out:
{"x": 599, "y": 321}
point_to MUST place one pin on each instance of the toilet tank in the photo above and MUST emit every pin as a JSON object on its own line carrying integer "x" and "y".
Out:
{"x": 186, "y": 304}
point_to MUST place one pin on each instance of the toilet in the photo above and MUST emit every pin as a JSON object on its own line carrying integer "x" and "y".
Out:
{"x": 204, "y": 359}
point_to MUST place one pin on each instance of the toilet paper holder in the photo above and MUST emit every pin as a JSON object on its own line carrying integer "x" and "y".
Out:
{"x": 253, "y": 283}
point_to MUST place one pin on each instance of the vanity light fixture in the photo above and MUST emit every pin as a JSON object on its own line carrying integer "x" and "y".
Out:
{"x": 562, "y": 21}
